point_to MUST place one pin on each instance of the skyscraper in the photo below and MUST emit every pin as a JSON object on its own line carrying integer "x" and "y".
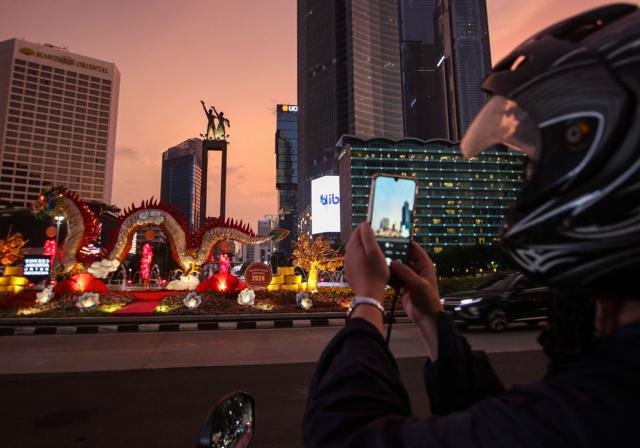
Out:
{"x": 287, "y": 171}
{"x": 58, "y": 113}
{"x": 464, "y": 60}
{"x": 182, "y": 177}
{"x": 265, "y": 226}
{"x": 349, "y": 80}
{"x": 424, "y": 113}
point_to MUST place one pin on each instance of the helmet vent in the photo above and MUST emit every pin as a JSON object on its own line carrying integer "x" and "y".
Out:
{"x": 518, "y": 62}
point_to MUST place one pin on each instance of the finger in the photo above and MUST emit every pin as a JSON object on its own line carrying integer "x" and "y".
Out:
{"x": 368, "y": 239}
{"x": 422, "y": 264}
{"x": 354, "y": 242}
{"x": 407, "y": 275}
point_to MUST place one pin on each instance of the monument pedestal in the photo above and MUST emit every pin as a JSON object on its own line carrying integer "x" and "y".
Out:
{"x": 213, "y": 145}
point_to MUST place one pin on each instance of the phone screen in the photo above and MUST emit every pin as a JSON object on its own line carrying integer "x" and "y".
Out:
{"x": 391, "y": 214}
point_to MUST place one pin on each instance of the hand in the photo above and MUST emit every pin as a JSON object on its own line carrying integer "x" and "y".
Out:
{"x": 365, "y": 265}
{"x": 419, "y": 295}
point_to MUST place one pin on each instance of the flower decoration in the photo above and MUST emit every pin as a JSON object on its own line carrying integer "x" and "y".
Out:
{"x": 44, "y": 296}
{"x": 88, "y": 301}
{"x": 12, "y": 249}
{"x": 192, "y": 301}
{"x": 304, "y": 301}
{"x": 247, "y": 297}
{"x": 145, "y": 263}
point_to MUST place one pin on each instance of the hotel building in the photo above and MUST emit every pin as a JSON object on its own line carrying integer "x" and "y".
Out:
{"x": 58, "y": 113}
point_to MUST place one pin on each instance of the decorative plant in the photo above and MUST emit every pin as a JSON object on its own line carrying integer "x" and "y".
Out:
{"x": 11, "y": 249}
{"x": 314, "y": 255}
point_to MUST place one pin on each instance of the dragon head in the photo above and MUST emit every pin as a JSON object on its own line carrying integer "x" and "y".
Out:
{"x": 49, "y": 203}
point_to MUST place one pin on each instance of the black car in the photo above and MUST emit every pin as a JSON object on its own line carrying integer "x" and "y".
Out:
{"x": 498, "y": 301}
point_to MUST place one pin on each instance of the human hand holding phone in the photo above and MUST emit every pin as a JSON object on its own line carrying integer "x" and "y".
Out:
{"x": 419, "y": 295}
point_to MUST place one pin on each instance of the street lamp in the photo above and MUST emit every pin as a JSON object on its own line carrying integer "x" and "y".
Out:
{"x": 58, "y": 219}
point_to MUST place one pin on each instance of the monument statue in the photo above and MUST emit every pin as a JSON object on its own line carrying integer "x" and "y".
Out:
{"x": 211, "y": 126}
{"x": 218, "y": 132}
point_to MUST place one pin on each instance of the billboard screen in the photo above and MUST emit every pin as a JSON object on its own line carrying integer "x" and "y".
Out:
{"x": 36, "y": 266}
{"x": 325, "y": 205}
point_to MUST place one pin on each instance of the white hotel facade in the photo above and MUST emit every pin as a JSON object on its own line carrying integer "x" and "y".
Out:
{"x": 58, "y": 113}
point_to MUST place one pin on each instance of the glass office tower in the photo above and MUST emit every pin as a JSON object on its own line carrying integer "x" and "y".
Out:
{"x": 349, "y": 80}
{"x": 181, "y": 179}
{"x": 287, "y": 171}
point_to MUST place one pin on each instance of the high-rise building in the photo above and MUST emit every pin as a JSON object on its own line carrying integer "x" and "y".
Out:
{"x": 287, "y": 171}
{"x": 182, "y": 177}
{"x": 349, "y": 80}
{"x": 463, "y": 60}
{"x": 265, "y": 226}
{"x": 422, "y": 98}
{"x": 459, "y": 203}
{"x": 58, "y": 113}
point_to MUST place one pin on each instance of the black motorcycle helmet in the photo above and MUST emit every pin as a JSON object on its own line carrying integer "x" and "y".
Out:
{"x": 569, "y": 99}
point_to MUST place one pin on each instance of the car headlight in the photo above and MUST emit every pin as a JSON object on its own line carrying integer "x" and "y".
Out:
{"x": 470, "y": 301}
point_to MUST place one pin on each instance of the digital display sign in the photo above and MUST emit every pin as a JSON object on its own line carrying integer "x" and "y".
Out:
{"x": 37, "y": 266}
{"x": 325, "y": 205}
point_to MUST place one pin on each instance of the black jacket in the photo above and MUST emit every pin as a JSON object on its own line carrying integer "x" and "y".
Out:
{"x": 356, "y": 398}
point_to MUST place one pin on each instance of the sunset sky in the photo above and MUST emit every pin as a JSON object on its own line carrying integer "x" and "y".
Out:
{"x": 239, "y": 55}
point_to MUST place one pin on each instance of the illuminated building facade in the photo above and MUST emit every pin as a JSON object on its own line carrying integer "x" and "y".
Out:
{"x": 287, "y": 171}
{"x": 181, "y": 179}
{"x": 460, "y": 202}
{"x": 58, "y": 113}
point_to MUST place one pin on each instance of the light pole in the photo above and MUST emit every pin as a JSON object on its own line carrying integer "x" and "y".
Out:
{"x": 59, "y": 219}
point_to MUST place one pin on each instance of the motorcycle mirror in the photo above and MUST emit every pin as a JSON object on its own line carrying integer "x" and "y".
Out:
{"x": 230, "y": 423}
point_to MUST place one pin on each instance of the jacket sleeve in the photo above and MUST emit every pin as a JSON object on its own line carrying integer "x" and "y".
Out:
{"x": 356, "y": 399}
{"x": 460, "y": 377}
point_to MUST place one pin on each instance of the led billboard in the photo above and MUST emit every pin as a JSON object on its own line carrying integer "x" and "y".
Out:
{"x": 325, "y": 205}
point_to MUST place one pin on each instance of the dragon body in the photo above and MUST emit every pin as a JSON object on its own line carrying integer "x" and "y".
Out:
{"x": 191, "y": 250}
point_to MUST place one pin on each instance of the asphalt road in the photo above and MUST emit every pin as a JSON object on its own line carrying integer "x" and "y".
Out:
{"x": 165, "y": 407}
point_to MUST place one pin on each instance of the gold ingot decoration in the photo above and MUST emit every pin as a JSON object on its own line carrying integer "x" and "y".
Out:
{"x": 293, "y": 279}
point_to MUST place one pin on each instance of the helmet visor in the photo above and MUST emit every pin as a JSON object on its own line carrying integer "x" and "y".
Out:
{"x": 502, "y": 121}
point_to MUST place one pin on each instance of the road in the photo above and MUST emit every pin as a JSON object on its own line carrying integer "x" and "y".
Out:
{"x": 155, "y": 389}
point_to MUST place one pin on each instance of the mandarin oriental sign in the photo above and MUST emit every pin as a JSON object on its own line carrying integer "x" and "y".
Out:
{"x": 63, "y": 60}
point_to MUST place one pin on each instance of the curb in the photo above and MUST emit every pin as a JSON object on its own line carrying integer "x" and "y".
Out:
{"x": 175, "y": 327}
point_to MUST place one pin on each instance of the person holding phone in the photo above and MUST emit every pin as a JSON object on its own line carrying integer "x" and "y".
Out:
{"x": 569, "y": 98}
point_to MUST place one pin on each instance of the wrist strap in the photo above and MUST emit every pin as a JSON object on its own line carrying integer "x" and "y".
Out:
{"x": 357, "y": 301}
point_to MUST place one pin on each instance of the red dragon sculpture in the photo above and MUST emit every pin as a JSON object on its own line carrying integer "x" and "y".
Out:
{"x": 191, "y": 250}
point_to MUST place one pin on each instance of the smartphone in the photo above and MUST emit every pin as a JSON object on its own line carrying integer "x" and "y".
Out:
{"x": 391, "y": 209}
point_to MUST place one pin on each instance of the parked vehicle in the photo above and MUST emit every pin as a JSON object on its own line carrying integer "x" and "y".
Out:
{"x": 499, "y": 300}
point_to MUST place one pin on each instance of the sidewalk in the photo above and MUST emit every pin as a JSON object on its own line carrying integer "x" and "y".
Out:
{"x": 120, "y": 351}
